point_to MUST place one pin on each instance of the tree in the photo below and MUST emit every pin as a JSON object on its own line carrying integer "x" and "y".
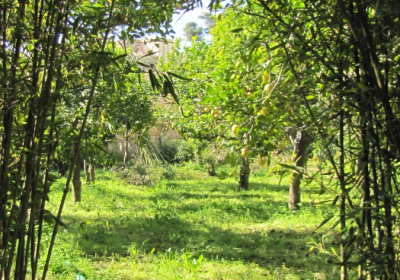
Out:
{"x": 237, "y": 84}
{"x": 301, "y": 140}
{"x": 213, "y": 105}
{"x": 192, "y": 30}
{"x": 209, "y": 21}
{"x": 129, "y": 109}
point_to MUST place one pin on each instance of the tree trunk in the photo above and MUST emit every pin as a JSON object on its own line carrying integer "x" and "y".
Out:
{"x": 301, "y": 142}
{"x": 86, "y": 170}
{"x": 212, "y": 171}
{"x": 89, "y": 171}
{"x": 244, "y": 175}
{"x": 126, "y": 138}
{"x": 76, "y": 181}
{"x": 92, "y": 173}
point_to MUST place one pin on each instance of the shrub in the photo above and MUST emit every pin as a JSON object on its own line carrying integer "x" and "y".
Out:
{"x": 168, "y": 150}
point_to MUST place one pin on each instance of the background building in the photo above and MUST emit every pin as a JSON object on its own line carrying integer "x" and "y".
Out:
{"x": 160, "y": 48}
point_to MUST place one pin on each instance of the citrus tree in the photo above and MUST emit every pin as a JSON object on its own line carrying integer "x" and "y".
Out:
{"x": 239, "y": 97}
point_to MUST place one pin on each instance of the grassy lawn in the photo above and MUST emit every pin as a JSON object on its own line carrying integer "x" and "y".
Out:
{"x": 192, "y": 227}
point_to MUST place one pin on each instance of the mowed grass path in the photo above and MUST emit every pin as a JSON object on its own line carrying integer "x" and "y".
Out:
{"x": 193, "y": 227}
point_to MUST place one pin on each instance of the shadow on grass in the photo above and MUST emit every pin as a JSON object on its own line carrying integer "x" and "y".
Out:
{"x": 172, "y": 192}
{"x": 266, "y": 248}
{"x": 219, "y": 189}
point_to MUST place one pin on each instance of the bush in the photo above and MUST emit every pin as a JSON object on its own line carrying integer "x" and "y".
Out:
{"x": 145, "y": 175}
{"x": 134, "y": 175}
{"x": 168, "y": 173}
{"x": 187, "y": 151}
{"x": 141, "y": 169}
{"x": 179, "y": 150}
{"x": 168, "y": 150}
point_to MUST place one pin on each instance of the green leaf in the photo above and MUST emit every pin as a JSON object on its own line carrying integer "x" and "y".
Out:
{"x": 323, "y": 202}
{"x": 363, "y": 87}
{"x": 120, "y": 56}
{"x": 52, "y": 178}
{"x": 76, "y": 23}
{"x": 310, "y": 97}
{"x": 149, "y": 54}
{"x": 168, "y": 79}
{"x": 169, "y": 88}
{"x": 236, "y": 30}
{"x": 142, "y": 64}
{"x": 292, "y": 167}
{"x": 48, "y": 217}
{"x": 335, "y": 200}
{"x": 324, "y": 221}
{"x": 179, "y": 77}
{"x": 29, "y": 47}
{"x": 154, "y": 81}
{"x": 199, "y": 260}
{"x": 210, "y": 90}
{"x": 165, "y": 89}
{"x": 334, "y": 252}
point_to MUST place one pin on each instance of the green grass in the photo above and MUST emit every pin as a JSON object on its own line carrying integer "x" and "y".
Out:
{"x": 194, "y": 227}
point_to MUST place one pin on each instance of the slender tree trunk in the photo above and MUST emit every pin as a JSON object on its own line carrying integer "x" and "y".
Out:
{"x": 76, "y": 181}
{"x": 86, "y": 168}
{"x": 126, "y": 138}
{"x": 90, "y": 173}
{"x": 212, "y": 171}
{"x": 342, "y": 193}
{"x": 301, "y": 142}
{"x": 86, "y": 171}
{"x": 244, "y": 175}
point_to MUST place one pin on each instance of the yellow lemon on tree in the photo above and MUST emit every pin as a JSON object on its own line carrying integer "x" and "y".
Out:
{"x": 262, "y": 161}
{"x": 268, "y": 88}
{"x": 265, "y": 77}
{"x": 235, "y": 128}
{"x": 214, "y": 113}
{"x": 245, "y": 152}
{"x": 263, "y": 111}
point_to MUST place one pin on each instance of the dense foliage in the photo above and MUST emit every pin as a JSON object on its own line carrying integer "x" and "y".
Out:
{"x": 328, "y": 70}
